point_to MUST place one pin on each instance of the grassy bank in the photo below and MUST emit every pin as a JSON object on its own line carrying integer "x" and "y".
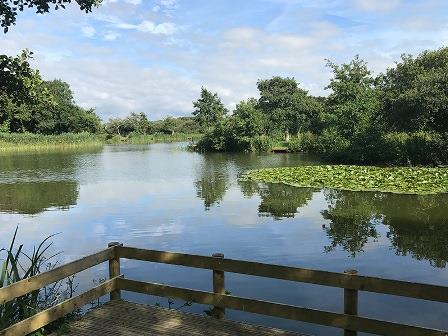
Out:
{"x": 31, "y": 142}
{"x": 140, "y": 139}
{"x": 38, "y": 142}
{"x": 408, "y": 180}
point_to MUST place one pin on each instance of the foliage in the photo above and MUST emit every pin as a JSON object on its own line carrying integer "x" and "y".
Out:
{"x": 27, "y": 141}
{"x": 29, "y": 104}
{"x": 18, "y": 266}
{"x": 208, "y": 109}
{"x": 396, "y": 180}
{"x": 415, "y": 93}
{"x": 10, "y": 8}
{"x": 134, "y": 123}
{"x": 287, "y": 108}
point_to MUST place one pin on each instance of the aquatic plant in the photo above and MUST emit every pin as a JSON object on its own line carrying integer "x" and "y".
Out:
{"x": 19, "y": 265}
{"x": 408, "y": 180}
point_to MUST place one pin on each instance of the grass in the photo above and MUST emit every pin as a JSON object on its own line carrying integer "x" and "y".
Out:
{"x": 17, "y": 265}
{"x": 11, "y": 142}
{"x": 31, "y": 142}
{"x": 141, "y": 139}
{"x": 407, "y": 180}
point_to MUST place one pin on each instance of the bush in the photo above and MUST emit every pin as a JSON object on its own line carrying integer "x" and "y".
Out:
{"x": 415, "y": 148}
{"x": 303, "y": 142}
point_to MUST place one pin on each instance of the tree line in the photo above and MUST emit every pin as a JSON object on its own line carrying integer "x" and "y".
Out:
{"x": 29, "y": 104}
{"x": 397, "y": 117}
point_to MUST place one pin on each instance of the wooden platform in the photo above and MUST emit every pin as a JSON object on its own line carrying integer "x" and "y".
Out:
{"x": 130, "y": 319}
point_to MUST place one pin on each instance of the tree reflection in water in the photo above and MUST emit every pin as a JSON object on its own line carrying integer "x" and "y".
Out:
{"x": 418, "y": 224}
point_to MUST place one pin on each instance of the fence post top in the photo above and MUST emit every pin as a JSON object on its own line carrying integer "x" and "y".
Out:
{"x": 218, "y": 255}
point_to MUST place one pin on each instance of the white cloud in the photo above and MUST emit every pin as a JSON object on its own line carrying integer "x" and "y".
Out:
{"x": 111, "y": 36}
{"x": 377, "y": 5}
{"x": 165, "y": 28}
{"x": 88, "y": 31}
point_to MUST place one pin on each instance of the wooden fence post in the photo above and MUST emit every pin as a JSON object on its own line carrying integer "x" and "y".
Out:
{"x": 218, "y": 288}
{"x": 114, "y": 270}
{"x": 350, "y": 303}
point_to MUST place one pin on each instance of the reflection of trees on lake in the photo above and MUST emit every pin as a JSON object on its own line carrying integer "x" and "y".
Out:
{"x": 36, "y": 182}
{"x": 277, "y": 200}
{"x": 212, "y": 182}
{"x": 418, "y": 224}
{"x": 352, "y": 220}
{"x": 282, "y": 201}
{"x": 35, "y": 197}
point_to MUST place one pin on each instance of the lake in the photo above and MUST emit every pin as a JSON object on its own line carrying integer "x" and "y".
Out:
{"x": 161, "y": 196}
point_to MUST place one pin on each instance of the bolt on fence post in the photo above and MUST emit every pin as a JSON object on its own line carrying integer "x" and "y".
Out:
{"x": 114, "y": 270}
{"x": 218, "y": 288}
{"x": 350, "y": 303}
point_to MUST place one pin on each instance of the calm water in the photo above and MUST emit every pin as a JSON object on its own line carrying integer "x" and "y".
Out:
{"x": 163, "y": 197}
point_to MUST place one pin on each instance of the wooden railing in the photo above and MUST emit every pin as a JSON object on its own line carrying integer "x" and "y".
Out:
{"x": 349, "y": 281}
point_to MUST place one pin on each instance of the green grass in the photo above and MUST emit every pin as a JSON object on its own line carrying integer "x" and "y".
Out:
{"x": 31, "y": 142}
{"x": 140, "y": 139}
{"x": 10, "y": 142}
{"x": 407, "y": 180}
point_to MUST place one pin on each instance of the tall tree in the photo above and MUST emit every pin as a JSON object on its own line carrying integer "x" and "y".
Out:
{"x": 208, "y": 109}
{"x": 415, "y": 93}
{"x": 10, "y": 8}
{"x": 353, "y": 102}
{"x": 22, "y": 91}
{"x": 288, "y": 108}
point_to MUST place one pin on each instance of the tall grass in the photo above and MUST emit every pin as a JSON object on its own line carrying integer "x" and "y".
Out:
{"x": 30, "y": 141}
{"x": 18, "y": 265}
{"x": 140, "y": 139}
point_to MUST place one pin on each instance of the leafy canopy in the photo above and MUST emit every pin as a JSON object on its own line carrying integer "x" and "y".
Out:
{"x": 208, "y": 109}
{"x": 10, "y": 8}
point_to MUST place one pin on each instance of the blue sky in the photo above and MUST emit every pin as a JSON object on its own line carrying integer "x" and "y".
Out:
{"x": 154, "y": 55}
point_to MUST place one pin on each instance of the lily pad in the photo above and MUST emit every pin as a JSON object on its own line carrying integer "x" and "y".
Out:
{"x": 407, "y": 180}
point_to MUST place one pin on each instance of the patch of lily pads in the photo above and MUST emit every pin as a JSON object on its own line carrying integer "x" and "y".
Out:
{"x": 404, "y": 180}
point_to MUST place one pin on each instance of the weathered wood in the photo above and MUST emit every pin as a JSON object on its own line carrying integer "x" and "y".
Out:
{"x": 31, "y": 284}
{"x": 45, "y": 317}
{"x": 121, "y": 318}
{"x": 218, "y": 288}
{"x": 114, "y": 270}
{"x": 364, "y": 283}
{"x": 350, "y": 303}
{"x": 326, "y": 318}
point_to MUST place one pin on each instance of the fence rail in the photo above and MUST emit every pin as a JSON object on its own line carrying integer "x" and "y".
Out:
{"x": 349, "y": 281}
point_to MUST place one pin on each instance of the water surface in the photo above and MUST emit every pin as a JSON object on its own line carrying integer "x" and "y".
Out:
{"x": 162, "y": 197}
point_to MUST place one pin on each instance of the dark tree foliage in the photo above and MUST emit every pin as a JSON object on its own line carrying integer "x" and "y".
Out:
{"x": 208, "y": 109}
{"x": 10, "y": 8}
{"x": 29, "y": 104}
{"x": 288, "y": 108}
{"x": 415, "y": 93}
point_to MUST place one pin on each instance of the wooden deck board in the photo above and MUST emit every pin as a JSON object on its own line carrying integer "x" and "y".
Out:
{"x": 130, "y": 319}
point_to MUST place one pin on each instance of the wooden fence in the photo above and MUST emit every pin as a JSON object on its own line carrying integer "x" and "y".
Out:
{"x": 349, "y": 281}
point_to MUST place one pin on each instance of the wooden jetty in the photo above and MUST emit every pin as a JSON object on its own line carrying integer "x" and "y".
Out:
{"x": 119, "y": 317}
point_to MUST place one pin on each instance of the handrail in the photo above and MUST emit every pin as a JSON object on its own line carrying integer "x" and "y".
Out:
{"x": 333, "y": 279}
{"x": 350, "y": 281}
{"x": 297, "y": 313}
{"x": 36, "y": 282}
{"x": 45, "y": 317}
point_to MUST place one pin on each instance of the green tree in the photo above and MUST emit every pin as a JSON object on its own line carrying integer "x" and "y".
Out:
{"x": 208, "y": 109}
{"x": 354, "y": 101}
{"x": 10, "y": 8}
{"x": 288, "y": 108}
{"x": 415, "y": 93}
{"x": 248, "y": 120}
{"x": 22, "y": 91}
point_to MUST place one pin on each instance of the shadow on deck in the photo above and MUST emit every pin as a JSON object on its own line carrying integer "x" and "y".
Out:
{"x": 129, "y": 319}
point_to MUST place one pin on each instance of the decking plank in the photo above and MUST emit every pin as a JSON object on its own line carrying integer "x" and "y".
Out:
{"x": 121, "y": 318}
